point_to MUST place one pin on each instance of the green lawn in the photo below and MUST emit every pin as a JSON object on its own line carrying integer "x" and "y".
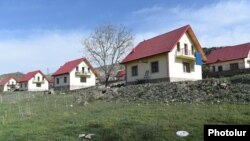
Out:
{"x": 34, "y": 116}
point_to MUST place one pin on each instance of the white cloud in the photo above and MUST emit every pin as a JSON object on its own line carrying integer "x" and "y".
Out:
{"x": 47, "y": 50}
{"x": 217, "y": 24}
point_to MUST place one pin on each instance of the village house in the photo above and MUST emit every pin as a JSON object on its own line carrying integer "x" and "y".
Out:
{"x": 173, "y": 56}
{"x": 34, "y": 81}
{"x": 229, "y": 58}
{"x": 8, "y": 84}
{"x": 75, "y": 74}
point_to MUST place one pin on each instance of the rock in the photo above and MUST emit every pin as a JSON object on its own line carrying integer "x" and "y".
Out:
{"x": 89, "y": 136}
{"x": 81, "y": 135}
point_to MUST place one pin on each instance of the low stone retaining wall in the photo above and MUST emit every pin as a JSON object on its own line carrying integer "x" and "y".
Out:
{"x": 216, "y": 90}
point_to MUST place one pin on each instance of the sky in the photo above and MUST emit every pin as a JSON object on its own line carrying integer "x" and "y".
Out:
{"x": 44, "y": 34}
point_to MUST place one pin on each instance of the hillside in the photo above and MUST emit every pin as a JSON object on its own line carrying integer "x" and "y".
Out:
{"x": 16, "y": 75}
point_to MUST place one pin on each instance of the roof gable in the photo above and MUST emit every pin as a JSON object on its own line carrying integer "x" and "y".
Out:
{"x": 69, "y": 66}
{"x": 6, "y": 80}
{"x": 30, "y": 75}
{"x": 229, "y": 53}
{"x": 162, "y": 44}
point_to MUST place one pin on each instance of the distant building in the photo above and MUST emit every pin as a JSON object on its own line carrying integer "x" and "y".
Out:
{"x": 229, "y": 58}
{"x": 112, "y": 75}
{"x": 75, "y": 74}
{"x": 34, "y": 81}
{"x": 8, "y": 84}
{"x": 173, "y": 56}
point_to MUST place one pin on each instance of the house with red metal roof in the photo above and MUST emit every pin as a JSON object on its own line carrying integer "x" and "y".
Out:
{"x": 34, "y": 81}
{"x": 174, "y": 56}
{"x": 229, "y": 58}
{"x": 75, "y": 74}
{"x": 8, "y": 84}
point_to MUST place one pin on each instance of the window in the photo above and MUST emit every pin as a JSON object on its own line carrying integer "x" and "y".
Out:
{"x": 186, "y": 49}
{"x": 134, "y": 70}
{"x": 38, "y": 84}
{"x": 186, "y": 67}
{"x": 220, "y": 68}
{"x": 213, "y": 68}
{"x": 77, "y": 68}
{"x": 193, "y": 50}
{"x": 155, "y": 67}
{"x": 38, "y": 78}
{"x": 83, "y": 79}
{"x": 82, "y": 69}
{"x": 65, "y": 79}
{"x": 234, "y": 66}
{"x": 21, "y": 85}
{"x": 57, "y": 80}
{"x": 25, "y": 85}
{"x": 178, "y": 47}
{"x": 88, "y": 69}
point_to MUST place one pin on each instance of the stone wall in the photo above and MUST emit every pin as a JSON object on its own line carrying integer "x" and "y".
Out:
{"x": 215, "y": 90}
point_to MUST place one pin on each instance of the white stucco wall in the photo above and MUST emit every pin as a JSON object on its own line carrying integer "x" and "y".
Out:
{"x": 11, "y": 82}
{"x": 176, "y": 72}
{"x": 145, "y": 65}
{"x": 169, "y": 65}
{"x": 226, "y": 65}
{"x": 74, "y": 81}
{"x": 32, "y": 86}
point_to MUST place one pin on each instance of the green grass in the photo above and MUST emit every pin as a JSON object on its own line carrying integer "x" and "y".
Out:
{"x": 34, "y": 116}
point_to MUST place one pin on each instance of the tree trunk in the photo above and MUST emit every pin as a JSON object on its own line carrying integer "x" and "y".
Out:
{"x": 106, "y": 81}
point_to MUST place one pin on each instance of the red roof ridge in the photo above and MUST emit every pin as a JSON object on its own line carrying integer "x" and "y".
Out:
{"x": 183, "y": 27}
{"x": 30, "y": 75}
{"x": 229, "y": 53}
{"x": 70, "y": 66}
{"x": 161, "y": 44}
{"x": 6, "y": 79}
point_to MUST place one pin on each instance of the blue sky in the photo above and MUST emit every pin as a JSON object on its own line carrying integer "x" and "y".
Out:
{"x": 43, "y": 34}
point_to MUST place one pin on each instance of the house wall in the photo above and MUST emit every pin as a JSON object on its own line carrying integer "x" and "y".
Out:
{"x": 6, "y": 87}
{"x": 176, "y": 72}
{"x": 32, "y": 86}
{"x": 62, "y": 85}
{"x": 75, "y": 81}
{"x": 226, "y": 65}
{"x": 145, "y": 65}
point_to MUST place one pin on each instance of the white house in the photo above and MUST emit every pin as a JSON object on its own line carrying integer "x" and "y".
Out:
{"x": 173, "y": 56}
{"x": 8, "y": 84}
{"x": 229, "y": 58}
{"x": 34, "y": 81}
{"x": 75, "y": 74}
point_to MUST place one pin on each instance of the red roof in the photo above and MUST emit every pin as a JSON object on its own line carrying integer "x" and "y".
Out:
{"x": 30, "y": 75}
{"x": 69, "y": 66}
{"x": 6, "y": 80}
{"x": 121, "y": 73}
{"x": 229, "y": 53}
{"x": 157, "y": 45}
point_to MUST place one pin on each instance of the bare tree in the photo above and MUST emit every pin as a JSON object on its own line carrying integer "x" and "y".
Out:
{"x": 107, "y": 45}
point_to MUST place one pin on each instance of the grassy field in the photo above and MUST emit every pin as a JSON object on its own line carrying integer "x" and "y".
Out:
{"x": 34, "y": 116}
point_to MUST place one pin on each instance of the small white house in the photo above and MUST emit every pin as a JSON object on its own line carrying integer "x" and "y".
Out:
{"x": 74, "y": 75}
{"x": 173, "y": 56}
{"x": 229, "y": 58}
{"x": 8, "y": 84}
{"x": 34, "y": 81}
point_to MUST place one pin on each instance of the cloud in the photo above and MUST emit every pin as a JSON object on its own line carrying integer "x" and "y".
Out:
{"x": 45, "y": 50}
{"x": 216, "y": 24}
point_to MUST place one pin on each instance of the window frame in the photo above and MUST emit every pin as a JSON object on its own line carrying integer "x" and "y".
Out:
{"x": 154, "y": 66}
{"x": 186, "y": 67}
{"x": 134, "y": 71}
